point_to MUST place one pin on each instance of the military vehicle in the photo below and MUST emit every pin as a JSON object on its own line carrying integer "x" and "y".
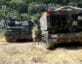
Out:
{"x": 18, "y": 29}
{"x": 61, "y": 25}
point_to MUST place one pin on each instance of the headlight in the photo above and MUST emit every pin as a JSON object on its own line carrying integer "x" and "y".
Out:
{"x": 74, "y": 23}
{"x": 79, "y": 17}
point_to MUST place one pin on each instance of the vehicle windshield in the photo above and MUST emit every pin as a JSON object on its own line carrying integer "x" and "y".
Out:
{"x": 17, "y": 23}
{"x": 14, "y": 23}
{"x": 24, "y": 23}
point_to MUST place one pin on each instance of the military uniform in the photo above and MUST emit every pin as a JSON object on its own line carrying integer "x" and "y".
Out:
{"x": 35, "y": 34}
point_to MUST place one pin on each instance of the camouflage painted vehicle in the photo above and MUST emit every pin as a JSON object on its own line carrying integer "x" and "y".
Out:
{"x": 18, "y": 29}
{"x": 61, "y": 25}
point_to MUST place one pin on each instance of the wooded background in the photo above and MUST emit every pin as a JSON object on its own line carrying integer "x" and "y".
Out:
{"x": 30, "y": 8}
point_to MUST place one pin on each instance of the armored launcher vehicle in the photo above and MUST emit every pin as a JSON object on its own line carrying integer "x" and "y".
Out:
{"x": 18, "y": 29}
{"x": 61, "y": 25}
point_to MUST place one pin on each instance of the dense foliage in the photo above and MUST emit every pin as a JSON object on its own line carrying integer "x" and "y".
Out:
{"x": 31, "y": 8}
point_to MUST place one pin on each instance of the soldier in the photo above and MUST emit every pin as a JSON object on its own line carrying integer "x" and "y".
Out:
{"x": 36, "y": 34}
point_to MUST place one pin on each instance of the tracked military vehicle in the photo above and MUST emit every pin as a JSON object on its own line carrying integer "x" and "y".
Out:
{"x": 18, "y": 29}
{"x": 61, "y": 25}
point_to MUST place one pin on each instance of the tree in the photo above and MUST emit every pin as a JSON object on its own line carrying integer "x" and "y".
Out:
{"x": 13, "y": 14}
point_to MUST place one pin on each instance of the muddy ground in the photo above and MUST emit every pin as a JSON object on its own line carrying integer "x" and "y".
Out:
{"x": 29, "y": 53}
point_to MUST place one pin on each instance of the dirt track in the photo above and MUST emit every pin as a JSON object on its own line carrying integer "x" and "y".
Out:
{"x": 27, "y": 53}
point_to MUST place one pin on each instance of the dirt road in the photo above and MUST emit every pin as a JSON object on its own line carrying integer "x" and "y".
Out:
{"x": 28, "y": 53}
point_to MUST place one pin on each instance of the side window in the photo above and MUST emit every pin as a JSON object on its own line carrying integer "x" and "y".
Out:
{"x": 11, "y": 23}
{"x": 64, "y": 20}
{"x": 58, "y": 20}
{"x": 17, "y": 22}
{"x": 53, "y": 20}
{"x": 25, "y": 23}
{"x": 75, "y": 17}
